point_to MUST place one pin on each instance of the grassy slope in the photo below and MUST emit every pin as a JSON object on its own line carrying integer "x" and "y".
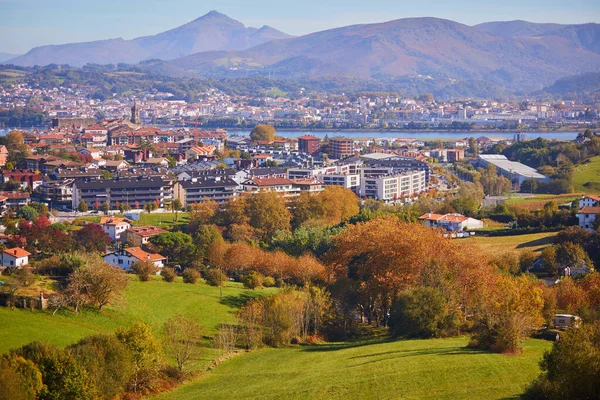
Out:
{"x": 517, "y": 243}
{"x": 165, "y": 220}
{"x": 587, "y": 172}
{"x": 152, "y": 302}
{"x": 414, "y": 369}
{"x": 537, "y": 201}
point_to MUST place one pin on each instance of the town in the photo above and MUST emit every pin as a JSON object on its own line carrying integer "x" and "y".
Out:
{"x": 396, "y": 209}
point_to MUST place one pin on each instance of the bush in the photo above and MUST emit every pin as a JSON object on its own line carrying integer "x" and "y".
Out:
{"x": 253, "y": 280}
{"x": 422, "y": 312}
{"x": 190, "y": 276}
{"x": 168, "y": 274}
{"x": 269, "y": 281}
{"x": 215, "y": 277}
{"x": 143, "y": 269}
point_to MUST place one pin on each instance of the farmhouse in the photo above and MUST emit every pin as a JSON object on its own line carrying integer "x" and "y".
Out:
{"x": 125, "y": 258}
{"x": 15, "y": 257}
{"x": 589, "y": 208}
{"x": 140, "y": 235}
{"x": 114, "y": 226}
{"x": 450, "y": 222}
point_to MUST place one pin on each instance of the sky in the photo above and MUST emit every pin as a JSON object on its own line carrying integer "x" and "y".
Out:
{"x": 28, "y": 23}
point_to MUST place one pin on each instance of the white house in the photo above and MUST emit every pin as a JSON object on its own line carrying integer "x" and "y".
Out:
{"x": 589, "y": 208}
{"x": 125, "y": 258}
{"x": 114, "y": 227}
{"x": 450, "y": 222}
{"x": 15, "y": 257}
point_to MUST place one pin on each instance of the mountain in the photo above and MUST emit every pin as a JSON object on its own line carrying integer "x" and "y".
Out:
{"x": 7, "y": 56}
{"x": 518, "y": 28}
{"x": 584, "y": 86}
{"x": 432, "y": 48}
{"x": 213, "y": 31}
{"x": 586, "y": 36}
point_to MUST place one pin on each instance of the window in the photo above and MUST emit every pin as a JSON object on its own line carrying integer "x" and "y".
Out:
{"x": 120, "y": 261}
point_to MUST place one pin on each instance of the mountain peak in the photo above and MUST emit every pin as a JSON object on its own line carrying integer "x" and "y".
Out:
{"x": 214, "y": 14}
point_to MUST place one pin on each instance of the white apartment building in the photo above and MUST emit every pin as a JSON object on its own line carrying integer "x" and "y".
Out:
{"x": 393, "y": 187}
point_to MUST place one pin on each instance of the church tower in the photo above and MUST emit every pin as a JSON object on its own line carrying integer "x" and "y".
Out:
{"x": 135, "y": 114}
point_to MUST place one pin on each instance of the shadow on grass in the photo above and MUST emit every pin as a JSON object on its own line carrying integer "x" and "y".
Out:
{"x": 453, "y": 351}
{"x": 343, "y": 346}
{"x": 240, "y": 300}
{"x": 537, "y": 242}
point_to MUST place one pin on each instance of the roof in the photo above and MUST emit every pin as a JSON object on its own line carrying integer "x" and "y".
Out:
{"x": 271, "y": 181}
{"x": 589, "y": 210}
{"x": 113, "y": 220}
{"x": 595, "y": 198}
{"x": 17, "y": 252}
{"x": 431, "y": 217}
{"x": 146, "y": 231}
{"x": 308, "y": 137}
{"x": 504, "y": 163}
{"x": 140, "y": 254}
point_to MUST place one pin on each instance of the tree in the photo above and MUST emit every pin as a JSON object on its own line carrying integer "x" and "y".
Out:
{"x": 82, "y": 206}
{"x": 105, "y": 207}
{"x": 146, "y": 353}
{"x": 253, "y": 280}
{"x": 267, "y": 213}
{"x": 263, "y": 132}
{"x": 421, "y": 312}
{"x": 106, "y": 361}
{"x": 61, "y": 374}
{"x": 100, "y": 282}
{"x": 143, "y": 269}
{"x": 177, "y": 246}
{"x": 177, "y": 205}
{"x": 28, "y": 212}
{"x": 20, "y": 379}
{"x": 571, "y": 368}
{"x": 182, "y": 340}
{"x": 92, "y": 238}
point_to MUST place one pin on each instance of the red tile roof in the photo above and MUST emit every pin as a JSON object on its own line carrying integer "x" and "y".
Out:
{"x": 140, "y": 254}
{"x": 147, "y": 231}
{"x": 17, "y": 252}
{"x": 589, "y": 210}
{"x": 272, "y": 181}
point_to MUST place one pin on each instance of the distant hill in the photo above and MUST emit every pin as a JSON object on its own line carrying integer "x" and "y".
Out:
{"x": 441, "y": 50}
{"x": 585, "y": 87}
{"x": 213, "y": 31}
{"x": 7, "y": 56}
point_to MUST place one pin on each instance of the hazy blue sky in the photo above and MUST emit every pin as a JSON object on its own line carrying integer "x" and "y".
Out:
{"x": 28, "y": 23}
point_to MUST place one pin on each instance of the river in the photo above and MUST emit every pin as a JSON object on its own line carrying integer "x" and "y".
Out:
{"x": 429, "y": 135}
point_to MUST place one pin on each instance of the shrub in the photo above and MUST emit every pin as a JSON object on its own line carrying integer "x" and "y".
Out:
{"x": 143, "y": 269}
{"x": 421, "y": 312}
{"x": 190, "y": 276}
{"x": 269, "y": 281}
{"x": 215, "y": 277}
{"x": 168, "y": 274}
{"x": 253, "y": 280}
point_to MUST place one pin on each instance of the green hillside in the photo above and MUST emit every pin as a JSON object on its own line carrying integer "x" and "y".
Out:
{"x": 412, "y": 369}
{"x": 587, "y": 176}
{"x": 152, "y": 302}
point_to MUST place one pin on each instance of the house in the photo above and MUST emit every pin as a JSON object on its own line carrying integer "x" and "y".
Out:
{"x": 196, "y": 189}
{"x": 16, "y": 200}
{"x": 114, "y": 226}
{"x": 587, "y": 217}
{"x": 589, "y": 201}
{"x": 15, "y": 257}
{"x": 25, "y": 178}
{"x": 284, "y": 186}
{"x": 450, "y": 222}
{"x": 127, "y": 257}
{"x": 140, "y": 235}
{"x": 197, "y": 152}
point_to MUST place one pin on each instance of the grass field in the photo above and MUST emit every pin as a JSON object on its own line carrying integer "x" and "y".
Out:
{"x": 537, "y": 201}
{"x": 166, "y": 220}
{"x": 588, "y": 172}
{"x": 496, "y": 245}
{"x": 152, "y": 302}
{"x": 412, "y": 369}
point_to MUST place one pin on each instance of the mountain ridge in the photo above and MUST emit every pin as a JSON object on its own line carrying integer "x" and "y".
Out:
{"x": 212, "y": 31}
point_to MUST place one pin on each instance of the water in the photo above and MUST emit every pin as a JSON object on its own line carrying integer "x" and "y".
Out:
{"x": 430, "y": 135}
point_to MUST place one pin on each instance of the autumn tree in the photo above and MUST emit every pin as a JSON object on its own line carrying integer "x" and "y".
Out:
{"x": 106, "y": 361}
{"x": 181, "y": 338}
{"x": 82, "y": 206}
{"x": 92, "y": 238}
{"x": 98, "y": 281}
{"x": 267, "y": 213}
{"x": 263, "y": 132}
{"x": 177, "y": 246}
{"x": 20, "y": 379}
{"x": 146, "y": 353}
